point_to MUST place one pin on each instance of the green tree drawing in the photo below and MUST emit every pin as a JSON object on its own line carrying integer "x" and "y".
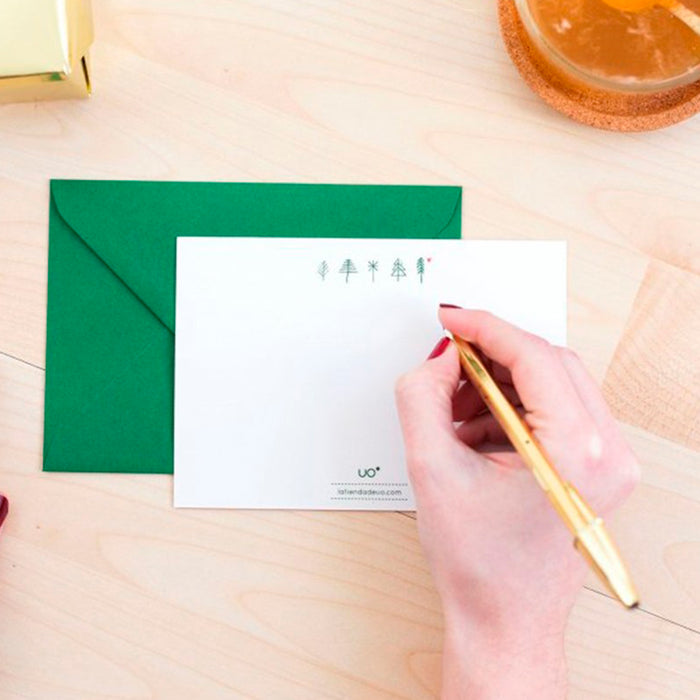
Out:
{"x": 398, "y": 270}
{"x": 323, "y": 270}
{"x": 420, "y": 268}
{"x": 372, "y": 266}
{"x": 347, "y": 268}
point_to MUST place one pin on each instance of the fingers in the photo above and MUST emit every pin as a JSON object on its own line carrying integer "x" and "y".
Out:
{"x": 480, "y": 430}
{"x": 545, "y": 388}
{"x": 501, "y": 374}
{"x": 484, "y": 429}
{"x": 610, "y": 440}
{"x": 467, "y": 403}
{"x": 587, "y": 389}
{"x": 554, "y": 409}
{"x": 424, "y": 399}
{"x": 496, "y": 370}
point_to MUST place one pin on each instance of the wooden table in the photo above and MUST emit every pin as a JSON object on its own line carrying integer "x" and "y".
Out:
{"x": 105, "y": 590}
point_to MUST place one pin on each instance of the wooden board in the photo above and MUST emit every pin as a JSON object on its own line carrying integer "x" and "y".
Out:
{"x": 105, "y": 590}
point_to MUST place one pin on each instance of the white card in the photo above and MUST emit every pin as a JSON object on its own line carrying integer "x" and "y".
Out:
{"x": 287, "y": 352}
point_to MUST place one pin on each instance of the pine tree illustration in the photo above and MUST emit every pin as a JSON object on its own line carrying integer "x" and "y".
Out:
{"x": 372, "y": 266}
{"x": 347, "y": 268}
{"x": 398, "y": 270}
{"x": 323, "y": 270}
{"x": 420, "y": 268}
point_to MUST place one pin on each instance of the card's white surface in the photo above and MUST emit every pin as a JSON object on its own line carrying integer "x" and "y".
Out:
{"x": 285, "y": 370}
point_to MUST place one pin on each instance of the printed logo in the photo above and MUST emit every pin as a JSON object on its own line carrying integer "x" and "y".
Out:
{"x": 368, "y": 473}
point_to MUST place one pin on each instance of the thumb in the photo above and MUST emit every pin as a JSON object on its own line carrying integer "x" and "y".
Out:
{"x": 424, "y": 402}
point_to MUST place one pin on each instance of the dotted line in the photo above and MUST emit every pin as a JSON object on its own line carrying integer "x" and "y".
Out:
{"x": 369, "y": 483}
{"x": 366, "y": 498}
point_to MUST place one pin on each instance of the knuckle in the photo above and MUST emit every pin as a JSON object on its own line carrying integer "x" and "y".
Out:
{"x": 538, "y": 342}
{"x": 606, "y": 463}
{"x": 568, "y": 354}
{"x": 630, "y": 473}
{"x": 587, "y": 442}
{"x": 592, "y": 449}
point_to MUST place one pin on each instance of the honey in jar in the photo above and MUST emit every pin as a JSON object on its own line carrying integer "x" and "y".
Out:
{"x": 649, "y": 49}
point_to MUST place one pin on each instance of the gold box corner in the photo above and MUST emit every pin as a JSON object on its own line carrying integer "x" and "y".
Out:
{"x": 44, "y": 49}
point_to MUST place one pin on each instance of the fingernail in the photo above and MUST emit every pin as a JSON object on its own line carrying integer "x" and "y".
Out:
{"x": 439, "y": 348}
{"x": 450, "y": 306}
{"x": 4, "y": 507}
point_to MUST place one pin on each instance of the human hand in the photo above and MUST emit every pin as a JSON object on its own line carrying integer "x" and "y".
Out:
{"x": 503, "y": 562}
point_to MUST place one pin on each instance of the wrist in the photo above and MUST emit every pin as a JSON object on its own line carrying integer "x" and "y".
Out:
{"x": 510, "y": 605}
{"x": 513, "y": 656}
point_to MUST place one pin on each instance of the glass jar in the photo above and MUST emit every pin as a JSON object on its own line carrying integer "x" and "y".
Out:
{"x": 592, "y": 43}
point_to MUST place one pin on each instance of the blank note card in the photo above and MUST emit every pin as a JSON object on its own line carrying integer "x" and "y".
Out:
{"x": 287, "y": 351}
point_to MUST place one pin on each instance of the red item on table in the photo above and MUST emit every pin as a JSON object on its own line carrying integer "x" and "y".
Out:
{"x": 4, "y": 508}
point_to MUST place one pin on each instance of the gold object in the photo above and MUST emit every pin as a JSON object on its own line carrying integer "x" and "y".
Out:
{"x": 590, "y": 537}
{"x": 44, "y": 49}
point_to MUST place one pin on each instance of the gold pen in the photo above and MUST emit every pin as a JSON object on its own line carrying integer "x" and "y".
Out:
{"x": 590, "y": 536}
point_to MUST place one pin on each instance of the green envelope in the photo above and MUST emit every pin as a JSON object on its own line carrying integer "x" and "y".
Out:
{"x": 111, "y": 293}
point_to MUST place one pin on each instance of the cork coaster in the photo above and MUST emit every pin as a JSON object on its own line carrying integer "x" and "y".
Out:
{"x": 599, "y": 108}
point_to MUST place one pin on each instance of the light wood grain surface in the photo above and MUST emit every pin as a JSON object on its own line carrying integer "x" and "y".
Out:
{"x": 105, "y": 590}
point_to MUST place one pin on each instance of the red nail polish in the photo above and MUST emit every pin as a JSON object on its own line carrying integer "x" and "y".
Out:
{"x": 450, "y": 306}
{"x": 4, "y": 508}
{"x": 439, "y": 348}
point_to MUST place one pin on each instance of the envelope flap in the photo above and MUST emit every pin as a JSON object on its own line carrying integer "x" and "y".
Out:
{"x": 133, "y": 226}
{"x": 109, "y": 367}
